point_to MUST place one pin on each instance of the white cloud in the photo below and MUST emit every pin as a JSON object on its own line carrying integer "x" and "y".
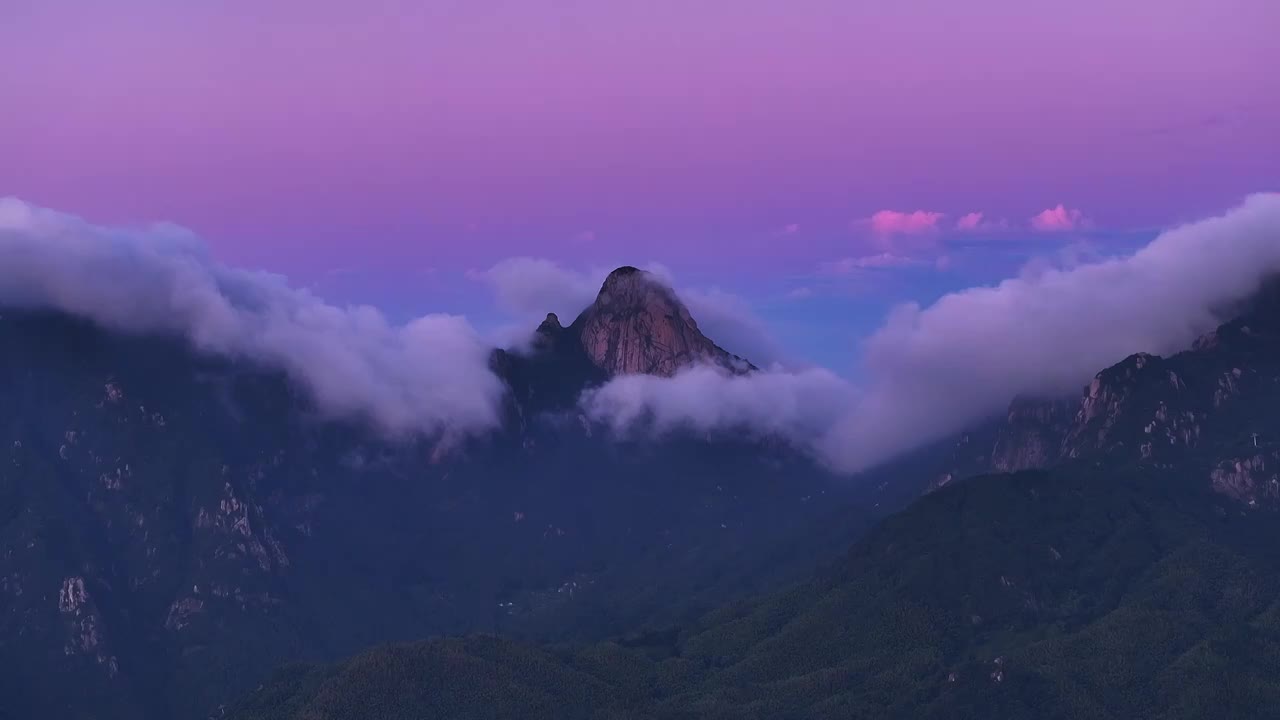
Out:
{"x": 929, "y": 370}
{"x": 430, "y": 375}
{"x": 796, "y": 405}
{"x": 934, "y": 370}
{"x": 529, "y": 287}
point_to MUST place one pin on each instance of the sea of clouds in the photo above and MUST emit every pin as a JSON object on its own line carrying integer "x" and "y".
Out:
{"x": 930, "y": 370}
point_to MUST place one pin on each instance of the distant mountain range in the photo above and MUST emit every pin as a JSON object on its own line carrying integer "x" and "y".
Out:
{"x": 174, "y": 525}
{"x": 1115, "y": 555}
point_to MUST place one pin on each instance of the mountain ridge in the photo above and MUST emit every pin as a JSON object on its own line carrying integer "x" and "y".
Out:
{"x": 1213, "y": 398}
{"x": 176, "y": 523}
{"x": 171, "y": 516}
{"x": 1118, "y": 577}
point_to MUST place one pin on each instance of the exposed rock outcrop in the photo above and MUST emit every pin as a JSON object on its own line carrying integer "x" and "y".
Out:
{"x": 1247, "y": 479}
{"x": 1212, "y": 405}
{"x": 1032, "y": 436}
{"x": 638, "y": 325}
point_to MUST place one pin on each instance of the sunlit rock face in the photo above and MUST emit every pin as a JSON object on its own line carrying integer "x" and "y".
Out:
{"x": 638, "y": 325}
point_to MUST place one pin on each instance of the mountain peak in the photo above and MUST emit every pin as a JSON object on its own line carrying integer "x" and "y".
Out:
{"x": 631, "y": 286}
{"x": 551, "y": 324}
{"x": 624, "y": 271}
{"x": 638, "y": 325}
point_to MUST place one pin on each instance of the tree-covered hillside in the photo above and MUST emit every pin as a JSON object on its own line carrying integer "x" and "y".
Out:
{"x": 1081, "y": 593}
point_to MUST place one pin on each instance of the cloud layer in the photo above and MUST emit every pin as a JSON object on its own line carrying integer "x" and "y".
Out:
{"x": 933, "y": 370}
{"x": 798, "y": 406}
{"x": 929, "y": 371}
{"x": 1058, "y": 219}
{"x": 427, "y": 376}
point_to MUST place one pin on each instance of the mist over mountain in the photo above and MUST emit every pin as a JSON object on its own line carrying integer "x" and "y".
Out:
{"x": 935, "y": 370}
{"x": 210, "y": 473}
{"x": 185, "y": 507}
{"x": 639, "y": 360}
{"x": 429, "y": 376}
{"x": 1110, "y": 554}
{"x": 930, "y": 371}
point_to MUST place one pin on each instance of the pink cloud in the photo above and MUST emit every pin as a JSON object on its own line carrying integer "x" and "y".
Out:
{"x": 1058, "y": 219}
{"x": 969, "y": 222}
{"x": 892, "y": 222}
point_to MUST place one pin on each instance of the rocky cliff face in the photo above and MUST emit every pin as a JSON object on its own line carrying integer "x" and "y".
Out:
{"x": 638, "y": 325}
{"x": 1031, "y": 435}
{"x": 1211, "y": 406}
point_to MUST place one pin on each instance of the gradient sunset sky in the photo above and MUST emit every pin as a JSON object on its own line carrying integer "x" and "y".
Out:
{"x": 821, "y": 158}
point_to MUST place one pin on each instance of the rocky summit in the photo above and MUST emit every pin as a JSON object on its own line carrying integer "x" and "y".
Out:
{"x": 638, "y": 325}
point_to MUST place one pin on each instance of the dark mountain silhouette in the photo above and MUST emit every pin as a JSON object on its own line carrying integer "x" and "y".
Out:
{"x": 1133, "y": 573}
{"x": 173, "y": 525}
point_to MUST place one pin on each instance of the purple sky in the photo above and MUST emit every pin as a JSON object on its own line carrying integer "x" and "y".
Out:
{"x": 373, "y": 148}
